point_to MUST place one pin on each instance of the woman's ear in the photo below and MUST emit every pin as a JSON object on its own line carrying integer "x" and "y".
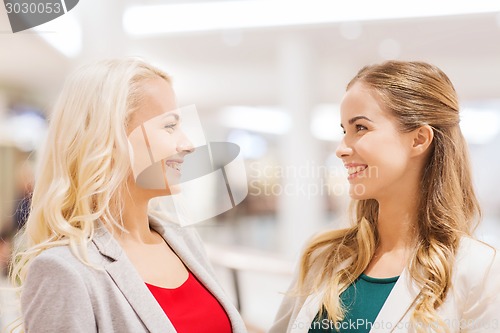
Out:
{"x": 422, "y": 139}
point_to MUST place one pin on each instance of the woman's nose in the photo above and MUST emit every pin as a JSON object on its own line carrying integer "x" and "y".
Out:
{"x": 185, "y": 145}
{"x": 343, "y": 150}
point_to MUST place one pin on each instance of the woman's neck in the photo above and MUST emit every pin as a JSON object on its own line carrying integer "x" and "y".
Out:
{"x": 135, "y": 219}
{"x": 396, "y": 230}
{"x": 397, "y": 222}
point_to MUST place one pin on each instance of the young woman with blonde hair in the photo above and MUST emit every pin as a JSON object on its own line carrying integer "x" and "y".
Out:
{"x": 93, "y": 256}
{"x": 409, "y": 263}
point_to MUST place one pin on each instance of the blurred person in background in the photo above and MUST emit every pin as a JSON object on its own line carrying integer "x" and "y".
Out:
{"x": 8, "y": 300}
{"x": 5, "y": 249}
{"x": 410, "y": 262}
{"x": 24, "y": 190}
{"x": 93, "y": 256}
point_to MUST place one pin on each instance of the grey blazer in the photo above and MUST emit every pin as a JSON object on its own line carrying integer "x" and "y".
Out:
{"x": 61, "y": 294}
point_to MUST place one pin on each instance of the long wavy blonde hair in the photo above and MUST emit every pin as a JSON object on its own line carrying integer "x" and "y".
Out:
{"x": 83, "y": 168}
{"x": 416, "y": 94}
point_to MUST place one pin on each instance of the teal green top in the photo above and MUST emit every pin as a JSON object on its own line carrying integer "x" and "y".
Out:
{"x": 362, "y": 300}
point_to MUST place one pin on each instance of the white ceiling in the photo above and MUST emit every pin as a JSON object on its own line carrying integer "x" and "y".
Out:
{"x": 242, "y": 67}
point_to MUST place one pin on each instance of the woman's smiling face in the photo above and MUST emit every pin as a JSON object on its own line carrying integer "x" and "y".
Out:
{"x": 157, "y": 139}
{"x": 376, "y": 155}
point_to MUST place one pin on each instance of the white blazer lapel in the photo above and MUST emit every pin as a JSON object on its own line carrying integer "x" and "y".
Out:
{"x": 397, "y": 305}
{"x": 306, "y": 315}
{"x": 311, "y": 306}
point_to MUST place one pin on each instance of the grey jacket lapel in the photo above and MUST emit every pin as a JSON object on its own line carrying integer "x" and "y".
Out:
{"x": 188, "y": 247}
{"x": 123, "y": 273}
{"x": 187, "y": 251}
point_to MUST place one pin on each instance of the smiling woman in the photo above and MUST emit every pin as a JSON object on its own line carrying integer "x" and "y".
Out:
{"x": 93, "y": 257}
{"x": 409, "y": 263}
{"x": 158, "y": 142}
{"x": 387, "y": 171}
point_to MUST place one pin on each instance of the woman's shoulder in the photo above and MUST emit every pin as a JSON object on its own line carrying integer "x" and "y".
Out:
{"x": 470, "y": 248}
{"x": 61, "y": 258}
{"x": 61, "y": 251}
{"x": 475, "y": 281}
{"x": 476, "y": 257}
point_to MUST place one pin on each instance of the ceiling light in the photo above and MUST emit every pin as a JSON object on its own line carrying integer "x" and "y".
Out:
{"x": 256, "y": 119}
{"x": 63, "y": 33}
{"x": 224, "y": 15}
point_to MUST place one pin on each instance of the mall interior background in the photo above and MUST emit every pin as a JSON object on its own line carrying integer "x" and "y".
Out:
{"x": 274, "y": 91}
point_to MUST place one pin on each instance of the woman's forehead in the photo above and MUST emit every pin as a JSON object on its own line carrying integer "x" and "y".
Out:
{"x": 360, "y": 99}
{"x": 158, "y": 99}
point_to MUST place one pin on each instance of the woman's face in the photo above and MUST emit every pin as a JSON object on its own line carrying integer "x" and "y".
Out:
{"x": 158, "y": 142}
{"x": 376, "y": 155}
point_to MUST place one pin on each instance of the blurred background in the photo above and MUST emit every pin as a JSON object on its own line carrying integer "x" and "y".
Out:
{"x": 268, "y": 76}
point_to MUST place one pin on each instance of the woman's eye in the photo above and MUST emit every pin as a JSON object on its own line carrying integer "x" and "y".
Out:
{"x": 170, "y": 127}
{"x": 360, "y": 128}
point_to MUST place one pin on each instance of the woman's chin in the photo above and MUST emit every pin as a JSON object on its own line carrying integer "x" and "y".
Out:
{"x": 171, "y": 190}
{"x": 358, "y": 192}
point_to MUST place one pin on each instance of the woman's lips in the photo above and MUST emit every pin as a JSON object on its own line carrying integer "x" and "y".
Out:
{"x": 353, "y": 170}
{"x": 174, "y": 167}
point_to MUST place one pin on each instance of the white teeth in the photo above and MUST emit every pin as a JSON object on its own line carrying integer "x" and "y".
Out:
{"x": 174, "y": 165}
{"x": 353, "y": 170}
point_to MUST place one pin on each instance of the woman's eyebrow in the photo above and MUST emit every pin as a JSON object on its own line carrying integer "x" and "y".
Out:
{"x": 170, "y": 114}
{"x": 353, "y": 119}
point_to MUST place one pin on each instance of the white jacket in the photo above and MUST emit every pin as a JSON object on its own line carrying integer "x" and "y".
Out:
{"x": 472, "y": 303}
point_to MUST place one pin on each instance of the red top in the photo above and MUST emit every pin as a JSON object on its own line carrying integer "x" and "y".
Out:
{"x": 192, "y": 308}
